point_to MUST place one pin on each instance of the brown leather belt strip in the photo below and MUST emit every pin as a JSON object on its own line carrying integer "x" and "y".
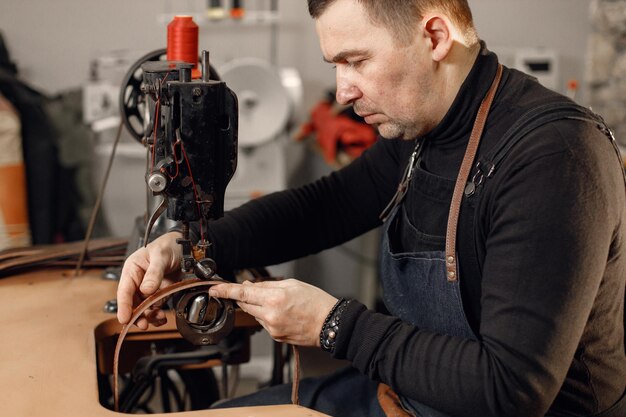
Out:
{"x": 142, "y": 308}
{"x": 14, "y": 260}
{"x": 296, "y": 376}
{"x": 161, "y": 295}
{"x": 461, "y": 180}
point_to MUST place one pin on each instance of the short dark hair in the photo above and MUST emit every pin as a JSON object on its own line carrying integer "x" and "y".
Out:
{"x": 399, "y": 16}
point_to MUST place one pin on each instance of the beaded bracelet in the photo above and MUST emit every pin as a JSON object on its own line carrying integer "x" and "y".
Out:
{"x": 330, "y": 328}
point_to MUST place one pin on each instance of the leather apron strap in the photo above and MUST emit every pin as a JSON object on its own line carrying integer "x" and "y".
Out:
{"x": 389, "y": 401}
{"x": 161, "y": 295}
{"x": 461, "y": 180}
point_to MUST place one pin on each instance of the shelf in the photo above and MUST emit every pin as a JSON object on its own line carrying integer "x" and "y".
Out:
{"x": 251, "y": 18}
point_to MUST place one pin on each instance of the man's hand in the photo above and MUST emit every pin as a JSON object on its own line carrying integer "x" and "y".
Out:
{"x": 290, "y": 310}
{"x": 145, "y": 271}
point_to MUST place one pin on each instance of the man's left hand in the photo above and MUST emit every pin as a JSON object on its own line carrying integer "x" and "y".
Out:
{"x": 290, "y": 310}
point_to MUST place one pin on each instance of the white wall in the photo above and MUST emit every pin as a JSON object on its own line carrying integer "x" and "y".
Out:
{"x": 561, "y": 25}
{"x": 53, "y": 41}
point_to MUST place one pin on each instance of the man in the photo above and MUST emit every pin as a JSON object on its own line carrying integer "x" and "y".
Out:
{"x": 533, "y": 322}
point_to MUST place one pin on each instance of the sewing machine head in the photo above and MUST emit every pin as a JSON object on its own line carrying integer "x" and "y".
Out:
{"x": 190, "y": 128}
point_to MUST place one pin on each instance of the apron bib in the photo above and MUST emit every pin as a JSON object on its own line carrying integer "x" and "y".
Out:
{"x": 415, "y": 275}
{"x": 422, "y": 287}
{"x": 416, "y": 290}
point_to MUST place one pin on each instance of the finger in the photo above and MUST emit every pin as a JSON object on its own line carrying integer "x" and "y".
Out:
{"x": 283, "y": 283}
{"x": 156, "y": 317}
{"x": 254, "y": 310}
{"x": 159, "y": 303}
{"x": 154, "y": 274}
{"x": 263, "y": 284}
{"x": 248, "y": 294}
{"x": 142, "y": 323}
{"x": 132, "y": 274}
{"x": 159, "y": 323}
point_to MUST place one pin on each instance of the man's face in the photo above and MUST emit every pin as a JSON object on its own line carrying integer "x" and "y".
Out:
{"x": 390, "y": 85}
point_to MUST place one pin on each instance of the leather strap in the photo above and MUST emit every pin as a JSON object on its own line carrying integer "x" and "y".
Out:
{"x": 15, "y": 260}
{"x": 138, "y": 311}
{"x": 389, "y": 401}
{"x": 161, "y": 295}
{"x": 461, "y": 180}
{"x": 296, "y": 376}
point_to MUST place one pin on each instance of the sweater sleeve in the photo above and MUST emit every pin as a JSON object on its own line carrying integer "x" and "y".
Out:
{"x": 294, "y": 223}
{"x": 551, "y": 219}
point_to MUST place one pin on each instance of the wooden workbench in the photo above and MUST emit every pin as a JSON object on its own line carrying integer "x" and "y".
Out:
{"x": 48, "y": 349}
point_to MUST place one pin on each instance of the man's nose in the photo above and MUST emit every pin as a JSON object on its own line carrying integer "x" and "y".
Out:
{"x": 347, "y": 92}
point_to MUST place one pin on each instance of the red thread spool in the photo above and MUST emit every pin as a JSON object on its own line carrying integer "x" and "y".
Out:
{"x": 237, "y": 11}
{"x": 182, "y": 42}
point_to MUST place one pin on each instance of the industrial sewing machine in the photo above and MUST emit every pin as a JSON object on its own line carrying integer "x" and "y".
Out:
{"x": 60, "y": 364}
{"x": 189, "y": 127}
{"x": 188, "y": 121}
{"x": 191, "y": 133}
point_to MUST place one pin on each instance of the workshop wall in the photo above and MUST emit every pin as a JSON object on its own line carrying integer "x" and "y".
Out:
{"x": 607, "y": 64}
{"x": 53, "y": 42}
{"x": 560, "y": 26}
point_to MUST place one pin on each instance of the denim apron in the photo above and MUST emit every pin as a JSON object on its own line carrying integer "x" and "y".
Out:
{"x": 415, "y": 286}
{"x": 414, "y": 273}
{"x": 420, "y": 282}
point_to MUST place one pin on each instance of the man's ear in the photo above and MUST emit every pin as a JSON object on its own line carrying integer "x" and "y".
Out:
{"x": 438, "y": 31}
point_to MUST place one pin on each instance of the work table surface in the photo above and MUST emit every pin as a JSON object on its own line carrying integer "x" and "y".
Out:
{"x": 47, "y": 353}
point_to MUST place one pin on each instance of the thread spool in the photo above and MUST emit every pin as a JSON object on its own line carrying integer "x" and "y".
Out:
{"x": 238, "y": 11}
{"x": 182, "y": 42}
{"x": 215, "y": 11}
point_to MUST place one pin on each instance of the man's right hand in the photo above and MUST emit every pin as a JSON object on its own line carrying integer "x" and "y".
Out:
{"x": 145, "y": 271}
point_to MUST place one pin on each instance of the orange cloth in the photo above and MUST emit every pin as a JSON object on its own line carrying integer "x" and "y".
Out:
{"x": 14, "y": 226}
{"x": 336, "y": 132}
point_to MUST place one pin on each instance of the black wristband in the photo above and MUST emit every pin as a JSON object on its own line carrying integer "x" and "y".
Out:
{"x": 330, "y": 328}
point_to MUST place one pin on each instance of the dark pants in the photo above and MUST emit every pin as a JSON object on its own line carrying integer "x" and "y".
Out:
{"x": 344, "y": 393}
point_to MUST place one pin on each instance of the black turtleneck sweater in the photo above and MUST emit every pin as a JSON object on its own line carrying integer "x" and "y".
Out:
{"x": 549, "y": 233}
